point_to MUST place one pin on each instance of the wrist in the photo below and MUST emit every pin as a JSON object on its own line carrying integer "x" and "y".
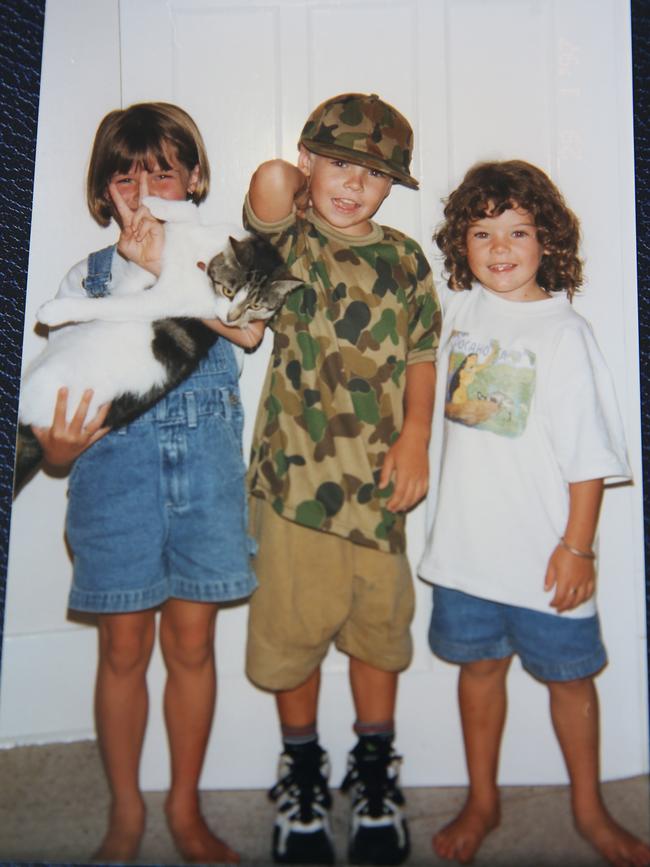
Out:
{"x": 586, "y": 553}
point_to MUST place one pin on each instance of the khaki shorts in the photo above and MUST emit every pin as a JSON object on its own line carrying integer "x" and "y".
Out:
{"x": 315, "y": 588}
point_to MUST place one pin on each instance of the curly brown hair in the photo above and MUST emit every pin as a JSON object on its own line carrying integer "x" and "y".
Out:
{"x": 489, "y": 189}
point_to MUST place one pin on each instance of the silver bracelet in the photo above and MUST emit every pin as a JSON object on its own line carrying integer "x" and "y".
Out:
{"x": 586, "y": 555}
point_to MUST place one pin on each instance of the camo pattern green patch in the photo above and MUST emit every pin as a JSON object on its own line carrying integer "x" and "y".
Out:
{"x": 332, "y": 401}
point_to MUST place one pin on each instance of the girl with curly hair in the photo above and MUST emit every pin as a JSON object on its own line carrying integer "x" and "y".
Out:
{"x": 524, "y": 445}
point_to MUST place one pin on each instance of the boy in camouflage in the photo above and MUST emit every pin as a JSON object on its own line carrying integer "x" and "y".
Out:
{"x": 339, "y": 455}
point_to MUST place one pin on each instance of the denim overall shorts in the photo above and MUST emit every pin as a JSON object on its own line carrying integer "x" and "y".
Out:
{"x": 157, "y": 509}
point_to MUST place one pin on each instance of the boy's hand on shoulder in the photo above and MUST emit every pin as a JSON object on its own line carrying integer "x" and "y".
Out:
{"x": 407, "y": 466}
{"x": 65, "y": 441}
{"x": 573, "y": 577}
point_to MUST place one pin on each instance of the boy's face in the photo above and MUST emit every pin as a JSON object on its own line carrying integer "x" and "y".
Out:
{"x": 504, "y": 255}
{"x": 345, "y": 195}
{"x": 174, "y": 183}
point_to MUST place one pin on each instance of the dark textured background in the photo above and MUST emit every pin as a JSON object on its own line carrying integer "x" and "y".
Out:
{"x": 641, "y": 81}
{"x": 20, "y": 62}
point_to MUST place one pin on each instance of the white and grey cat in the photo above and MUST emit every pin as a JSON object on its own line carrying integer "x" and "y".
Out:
{"x": 136, "y": 344}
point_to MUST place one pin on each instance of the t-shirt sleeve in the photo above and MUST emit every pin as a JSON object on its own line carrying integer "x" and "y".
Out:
{"x": 585, "y": 424}
{"x": 424, "y": 314}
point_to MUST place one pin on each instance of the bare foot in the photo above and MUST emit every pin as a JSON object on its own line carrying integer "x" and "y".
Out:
{"x": 196, "y": 842}
{"x": 615, "y": 844}
{"x": 122, "y": 840}
{"x": 462, "y": 837}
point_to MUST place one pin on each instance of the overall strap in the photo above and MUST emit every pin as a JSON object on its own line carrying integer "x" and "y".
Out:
{"x": 99, "y": 272}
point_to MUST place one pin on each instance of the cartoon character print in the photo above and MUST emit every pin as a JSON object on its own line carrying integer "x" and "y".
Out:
{"x": 488, "y": 387}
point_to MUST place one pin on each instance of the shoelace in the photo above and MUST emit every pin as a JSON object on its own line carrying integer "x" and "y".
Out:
{"x": 305, "y": 786}
{"x": 376, "y": 785}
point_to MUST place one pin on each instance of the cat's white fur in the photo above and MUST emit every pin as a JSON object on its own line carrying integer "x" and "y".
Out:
{"x": 112, "y": 353}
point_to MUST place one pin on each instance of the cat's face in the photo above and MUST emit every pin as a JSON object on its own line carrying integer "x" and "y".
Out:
{"x": 253, "y": 278}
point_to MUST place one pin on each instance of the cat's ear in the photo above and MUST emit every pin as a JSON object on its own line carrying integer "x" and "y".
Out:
{"x": 242, "y": 251}
{"x": 284, "y": 287}
{"x": 202, "y": 266}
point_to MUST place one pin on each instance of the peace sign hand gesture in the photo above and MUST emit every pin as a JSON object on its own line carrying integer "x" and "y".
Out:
{"x": 143, "y": 236}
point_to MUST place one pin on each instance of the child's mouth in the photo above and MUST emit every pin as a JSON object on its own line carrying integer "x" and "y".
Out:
{"x": 501, "y": 267}
{"x": 347, "y": 206}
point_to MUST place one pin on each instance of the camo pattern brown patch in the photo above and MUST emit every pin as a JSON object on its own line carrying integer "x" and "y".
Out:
{"x": 332, "y": 402}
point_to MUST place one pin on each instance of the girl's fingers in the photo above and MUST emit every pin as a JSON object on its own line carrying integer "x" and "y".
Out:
{"x": 79, "y": 417}
{"x": 60, "y": 407}
{"x": 144, "y": 185}
{"x": 125, "y": 213}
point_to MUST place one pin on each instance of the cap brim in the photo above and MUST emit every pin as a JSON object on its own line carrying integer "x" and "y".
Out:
{"x": 362, "y": 159}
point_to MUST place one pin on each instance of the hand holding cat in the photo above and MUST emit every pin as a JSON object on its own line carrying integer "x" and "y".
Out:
{"x": 143, "y": 236}
{"x": 65, "y": 441}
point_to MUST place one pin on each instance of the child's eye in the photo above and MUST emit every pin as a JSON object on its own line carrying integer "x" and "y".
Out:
{"x": 375, "y": 173}
{"x": 340, "y": 164}
{"x": 520, "y": 233}
{"x": 480, "y": 235}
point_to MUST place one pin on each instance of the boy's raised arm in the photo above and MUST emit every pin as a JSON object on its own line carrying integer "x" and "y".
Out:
{"x": 274, "y": 189}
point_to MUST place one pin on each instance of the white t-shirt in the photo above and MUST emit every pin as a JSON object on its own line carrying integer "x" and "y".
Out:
{"x": 524, "y": 406}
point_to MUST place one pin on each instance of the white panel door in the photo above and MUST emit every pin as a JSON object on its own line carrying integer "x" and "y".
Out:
{"x": 479, "y": 80}
{"x": 543, "y": 80}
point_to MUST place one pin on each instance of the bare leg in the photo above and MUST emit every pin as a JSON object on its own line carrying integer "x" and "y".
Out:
{"x": 482, "y": 700}
{"x": 187, "y": 641}
{"x": 121, "y": 706}
{"x": 297, "y": 708}
{"x": 574, "y": 711}
{"x": 374, "y": 691}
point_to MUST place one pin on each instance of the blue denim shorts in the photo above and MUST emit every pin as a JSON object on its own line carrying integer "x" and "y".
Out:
{"x": 157, "y": 509}
{"x": 466, "y": 628}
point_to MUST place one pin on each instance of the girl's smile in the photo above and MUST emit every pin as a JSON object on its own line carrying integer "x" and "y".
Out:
{"x": 504, "y": 254}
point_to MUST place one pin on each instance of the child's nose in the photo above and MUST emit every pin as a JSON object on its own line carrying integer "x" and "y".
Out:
{"x": 354, "y": 180}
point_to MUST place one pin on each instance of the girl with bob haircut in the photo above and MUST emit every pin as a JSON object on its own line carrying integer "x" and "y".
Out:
{"x": 526, "y": 429}
{"x": 156, "y": 517}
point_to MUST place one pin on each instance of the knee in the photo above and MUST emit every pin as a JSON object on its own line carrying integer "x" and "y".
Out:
{"x": 486, "y": 669}
{"x": 186, "y": 647}
{"x": 126, "y": 652}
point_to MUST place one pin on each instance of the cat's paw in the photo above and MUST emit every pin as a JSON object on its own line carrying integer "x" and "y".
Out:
{"x": 57, "y": 312}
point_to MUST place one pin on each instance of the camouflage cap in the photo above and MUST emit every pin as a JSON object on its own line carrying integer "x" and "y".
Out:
{"x": 363, "y": 129}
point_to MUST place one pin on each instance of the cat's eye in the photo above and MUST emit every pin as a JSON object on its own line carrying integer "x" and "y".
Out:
{"x": 228, "y": 291}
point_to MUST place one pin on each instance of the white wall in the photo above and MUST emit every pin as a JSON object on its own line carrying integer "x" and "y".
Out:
{"x": 543, "y": 80}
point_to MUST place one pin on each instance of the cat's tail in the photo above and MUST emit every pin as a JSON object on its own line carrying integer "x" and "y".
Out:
{"x": 28, "y": 456}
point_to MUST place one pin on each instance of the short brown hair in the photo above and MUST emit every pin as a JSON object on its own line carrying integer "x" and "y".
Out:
{"x": 489, "y": 189}
{"x": 141, "y": 132}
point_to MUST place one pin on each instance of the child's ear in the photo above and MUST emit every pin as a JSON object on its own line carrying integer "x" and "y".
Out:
{"x": 195, "y": 174}
{"x": 304, "y": 160}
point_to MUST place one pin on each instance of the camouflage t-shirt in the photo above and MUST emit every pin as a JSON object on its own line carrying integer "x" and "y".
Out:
{"x": 332, "y": 401}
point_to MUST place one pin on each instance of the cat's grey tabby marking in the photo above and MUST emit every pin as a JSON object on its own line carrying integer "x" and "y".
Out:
{"x": 135, "y": 345}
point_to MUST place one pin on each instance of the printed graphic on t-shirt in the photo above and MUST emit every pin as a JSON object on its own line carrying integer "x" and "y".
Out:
{"x": 489, "y": 387}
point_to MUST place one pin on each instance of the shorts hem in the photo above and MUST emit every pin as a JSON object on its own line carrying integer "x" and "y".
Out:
{"x": 566, "y": 671}
{"x": 457, "y": 652}
{"x": 117, "y": 602}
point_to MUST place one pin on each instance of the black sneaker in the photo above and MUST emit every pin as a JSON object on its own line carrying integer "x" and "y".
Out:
{"x": 301, "y": 834}
{"x": 378, "y": 829}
